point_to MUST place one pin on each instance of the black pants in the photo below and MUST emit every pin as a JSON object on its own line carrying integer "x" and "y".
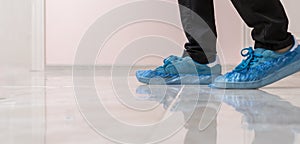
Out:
{"x": 267, "y": 18}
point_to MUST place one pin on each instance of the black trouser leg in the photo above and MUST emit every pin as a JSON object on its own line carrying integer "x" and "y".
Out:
{"x": 268, "y": 20}
{"x": 205, "y": 28}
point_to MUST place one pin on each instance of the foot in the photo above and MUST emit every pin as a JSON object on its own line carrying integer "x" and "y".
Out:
{"x": 178, "y": 70}
{"x": 260, "y": 68}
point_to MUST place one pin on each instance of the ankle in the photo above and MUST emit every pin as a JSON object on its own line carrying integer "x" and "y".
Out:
{"x": 284, "y": 49}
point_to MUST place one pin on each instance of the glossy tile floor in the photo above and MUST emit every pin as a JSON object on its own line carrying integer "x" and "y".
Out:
{"x": 108, "y": 107}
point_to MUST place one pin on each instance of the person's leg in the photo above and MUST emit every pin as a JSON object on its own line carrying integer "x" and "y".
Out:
{"x": 269, "y": 22}
{"x": 204, "y": 9}
{"x": 199, "y": 25}
{"x": 276, "y": 54}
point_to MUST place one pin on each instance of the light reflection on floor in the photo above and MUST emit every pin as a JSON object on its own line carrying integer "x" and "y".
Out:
{"x": 42, "y": 109}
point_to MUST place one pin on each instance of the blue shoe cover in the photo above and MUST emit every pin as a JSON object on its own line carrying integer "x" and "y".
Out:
{"x": 177, "y": 70}
{"x": 260, "y": 68}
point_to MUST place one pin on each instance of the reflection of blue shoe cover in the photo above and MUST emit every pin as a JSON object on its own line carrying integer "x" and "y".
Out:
{"x": 263, "y": 111}
{"x": 262, "y": 67}
{"x": 177, "y": 70}
{"x": 181, "y": 97}
{"x": 199, "y": 104}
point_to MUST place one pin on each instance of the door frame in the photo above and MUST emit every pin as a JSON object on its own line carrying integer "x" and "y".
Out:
{"x": 38, "y": 35}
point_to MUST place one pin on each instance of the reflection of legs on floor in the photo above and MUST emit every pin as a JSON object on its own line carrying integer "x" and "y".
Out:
{"x": 262, "y": 109}
{"x": 194, "y": 135}
{"x": 271, "y": 118}
{"x": 199, "y": 105}
{"x": 278, "y": 136}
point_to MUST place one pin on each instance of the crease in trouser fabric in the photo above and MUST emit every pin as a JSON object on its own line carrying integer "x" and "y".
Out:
{"x": 200, "y": 29}
{"x": 267, "y": 18}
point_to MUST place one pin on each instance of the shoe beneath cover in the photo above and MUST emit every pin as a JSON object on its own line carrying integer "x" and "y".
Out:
{"x": 260, "y": 68}
{"x": 178, "y": 70}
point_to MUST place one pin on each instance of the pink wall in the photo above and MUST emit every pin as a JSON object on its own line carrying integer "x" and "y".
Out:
{"x": 67, "y": 20}
{"x": 230, "y": 31}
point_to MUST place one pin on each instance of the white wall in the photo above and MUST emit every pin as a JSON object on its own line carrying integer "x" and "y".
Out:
{"x": 230, "y": 32}
{"x": 15, "y": 34}
{"x": 67, "y": 20}
{"x": 15, "y": 42}
{"x": 292, "y": 7}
